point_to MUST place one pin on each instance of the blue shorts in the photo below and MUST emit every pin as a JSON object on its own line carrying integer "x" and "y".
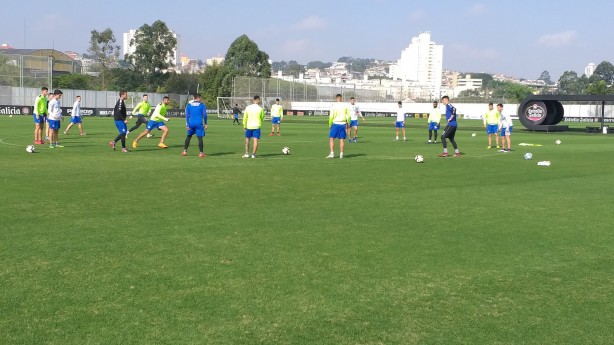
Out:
{"x": 492, "y": 129}
{"x": 236, "y": 116}
{"x": 75, "y": 119}
{"x": 199, "y": 130}
{"x": 506, "y": 131}
{"x": 433, "y": 126}
{"x": 399, "y": 124}
{"x": 252, "y": 133}
{"x": 39, "y": 119}
{"x": 337, "y": 132}
{"x": 354, "y": 123}
{"x": 54, "y": 124}
{"x": 121, "y": 126}
{"x": 151, "y": 125}
{"x": 276, "y": 120}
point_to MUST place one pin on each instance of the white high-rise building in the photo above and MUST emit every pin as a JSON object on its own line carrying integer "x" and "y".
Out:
{"x": 589, "y": 70}
{"x": 127, "y": 49}
{"x": 421, "y": 64}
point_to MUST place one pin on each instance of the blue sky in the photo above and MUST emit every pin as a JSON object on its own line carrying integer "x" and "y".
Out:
{"x": 520, "y": 38}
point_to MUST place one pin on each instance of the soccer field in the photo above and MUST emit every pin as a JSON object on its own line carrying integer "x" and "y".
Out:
{"x": 149, "y": 247}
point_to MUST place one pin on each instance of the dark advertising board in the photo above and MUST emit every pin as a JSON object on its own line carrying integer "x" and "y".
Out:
{"x": 15, "y": 110}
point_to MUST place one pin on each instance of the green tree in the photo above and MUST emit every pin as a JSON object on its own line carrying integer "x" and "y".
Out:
{"x": 104, "y": 51}
{"x": 545, "y": 76}
{"x": 244, "y": 58}
{"x": 571, "y": 84}
{"x": 319, "y": 64}
{"x": 604, "y": 71}
{"x": 211, "y": 84}
{"x": 9, "y": 73}
{"x": 598, "y": 87}
{"x": 154, "y": 48}
{"x": 181, "y": 83}
{"x": 74, "y": 81}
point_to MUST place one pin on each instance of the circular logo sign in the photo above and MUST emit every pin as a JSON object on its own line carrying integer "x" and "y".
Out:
{"x": 535, "y": 111}
{"x": 25, "y": 111}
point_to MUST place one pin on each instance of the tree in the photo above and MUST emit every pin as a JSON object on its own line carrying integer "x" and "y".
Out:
{"x": 104, "y": 50}
{"x": 244, "y": 58}
{"x": 318, "y": 64}
{"x": 571, "y": 84}
{"x": 604, "y": 71}
{"x": 155, "y": 47}
{"x": 598, "y": 88}
{"x": 211, "y": 83}
{"x": 181, "y": 83}
{"x": 74, "y": 81}
{"x": 545, "y": 76}
{"x": 9, "y": 73}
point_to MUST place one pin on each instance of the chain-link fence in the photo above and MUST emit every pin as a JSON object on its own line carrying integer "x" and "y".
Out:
{"x": 25, "y": 96}
{"x": 25, "y": 70}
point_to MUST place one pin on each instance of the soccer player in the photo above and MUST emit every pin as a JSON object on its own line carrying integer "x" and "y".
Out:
{"x": 338, "y": 121}
{"x": 354, "y": 113}
{"x": 434, "y": 119}
{"x": 400, "y": 122}
{"x": 195, "y": 123}
{"x": 54, "y": 118}
{"x": 492, "y": 123}
{"x": 47, "y": 130}
{"x": 277, "y": 116}
{"x": 156, "y": 121}
{"x": 252, "y": 121}
{"x": 506, "y": 129}
{"x": 450, "y": 130}
{"x": 75, "y": 117}
{"x": 40, "y": 115}
{"x": 235, "y": 114}
{"x": 120, "y": 117}
{"x": 142, "y": 111}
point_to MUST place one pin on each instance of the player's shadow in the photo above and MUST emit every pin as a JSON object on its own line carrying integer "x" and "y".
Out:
{"x": 220, "y": 154}
{"x": 271, "y": 155}
{"x": 354, "y": 155}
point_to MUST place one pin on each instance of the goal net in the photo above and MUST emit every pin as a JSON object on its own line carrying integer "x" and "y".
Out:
{"x": 226, "y": 104}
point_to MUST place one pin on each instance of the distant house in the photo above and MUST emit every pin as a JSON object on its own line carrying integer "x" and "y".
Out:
{"x": 32, "y": 60}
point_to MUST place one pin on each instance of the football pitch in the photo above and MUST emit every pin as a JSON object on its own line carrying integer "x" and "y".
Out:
{"x": 149, "y": 247}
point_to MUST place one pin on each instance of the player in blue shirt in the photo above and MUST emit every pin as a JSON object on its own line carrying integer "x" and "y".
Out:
{"x": 195, "y": 123}
{"x": 450, "y": 130}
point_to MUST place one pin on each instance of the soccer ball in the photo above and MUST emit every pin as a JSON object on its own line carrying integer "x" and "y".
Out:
{"x": 558, "y": 142}
{"x": 528, "y": 156}
{"x": 285, "y": 150}
{"x": 30, "y": 149}
{"x": 473, "y": 135}
{"x": 419, "y": 159}
{"x": 149, "y": 135}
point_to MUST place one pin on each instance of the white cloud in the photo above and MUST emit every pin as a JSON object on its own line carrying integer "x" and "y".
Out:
{"x": 417, "y": 16}
{"x": 559, "y": 39}
{"x": 300, "y": 49}
{"x": 477, "y": 9}
{"x": 311, "y": 23}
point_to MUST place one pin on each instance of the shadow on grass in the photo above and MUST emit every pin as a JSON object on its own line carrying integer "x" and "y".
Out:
{"x": 219, "y": 154}
{"x": 354, "y": 155}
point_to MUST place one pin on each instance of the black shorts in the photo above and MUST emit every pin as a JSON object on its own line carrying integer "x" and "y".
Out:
{"x": 141, "y": 118}
{"x": 449, "y": 133}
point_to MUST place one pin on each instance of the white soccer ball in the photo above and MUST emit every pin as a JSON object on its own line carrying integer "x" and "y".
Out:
{"x": 149, "y": 135}
{"x": 30, "y": 149}
{"x": 473, "y": 135}
{"x": 285, "y": 150}
{"x": 419, "y": 159}
{"x": 558, "y": 142}
{"x": 528, "y": 156}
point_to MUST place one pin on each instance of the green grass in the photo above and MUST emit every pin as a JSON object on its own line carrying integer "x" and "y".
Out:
{"x": 100, "y": 247}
